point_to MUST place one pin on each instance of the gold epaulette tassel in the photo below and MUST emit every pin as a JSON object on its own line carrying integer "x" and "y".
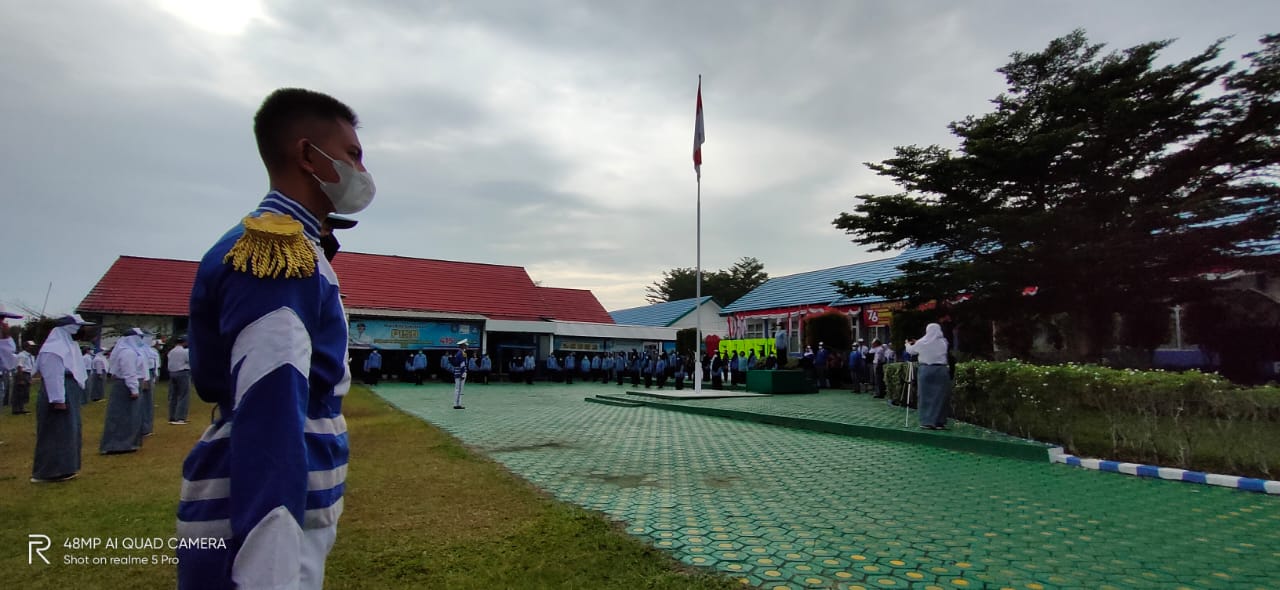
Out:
{"x": 273, "y": 244}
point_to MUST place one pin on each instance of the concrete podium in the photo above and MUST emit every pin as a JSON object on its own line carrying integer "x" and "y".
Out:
{"x": 776, "y": 382}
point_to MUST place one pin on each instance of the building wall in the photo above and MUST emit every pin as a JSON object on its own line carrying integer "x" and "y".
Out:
{"x": 164, "y": 327}
{"x": 712, "y": 323}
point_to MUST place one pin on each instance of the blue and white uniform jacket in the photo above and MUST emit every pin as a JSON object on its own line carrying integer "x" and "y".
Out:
{"x": 458, "y": 362}
{"x": 268, "y": 476}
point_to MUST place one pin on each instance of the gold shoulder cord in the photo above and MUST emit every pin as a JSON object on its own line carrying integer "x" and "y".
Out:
{"x": 273, "y": 244}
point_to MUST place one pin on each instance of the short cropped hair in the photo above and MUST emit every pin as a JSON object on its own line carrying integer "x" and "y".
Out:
{"x": 280, "y": 119}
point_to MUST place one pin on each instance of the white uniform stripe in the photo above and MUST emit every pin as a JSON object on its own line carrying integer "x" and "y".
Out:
{"x": 206, "y": 489}
{"x": 323, "y": 517}
{"x": 331, "y": 426}
{"x": 344, "y": 385}
{"x": 270, "y": 342}
{"x": 329, "y": 478}
{"x": 204, "y": 529}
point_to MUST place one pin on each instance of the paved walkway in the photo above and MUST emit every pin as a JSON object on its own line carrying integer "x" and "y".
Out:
{"x": 784, "y": 508}
{"x": 847, "y": 413}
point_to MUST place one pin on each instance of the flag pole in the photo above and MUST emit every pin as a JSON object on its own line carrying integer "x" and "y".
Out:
{"x": 697, "y": 302}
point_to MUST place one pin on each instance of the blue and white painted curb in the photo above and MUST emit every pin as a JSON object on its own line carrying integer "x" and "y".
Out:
{"x": 1248, "y": 484}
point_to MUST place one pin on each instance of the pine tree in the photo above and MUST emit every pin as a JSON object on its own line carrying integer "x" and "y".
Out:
{"x": 1105, "y": 180}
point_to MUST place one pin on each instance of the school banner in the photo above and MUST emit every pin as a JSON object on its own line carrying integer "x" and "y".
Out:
{"x": 409, "y": 335}
{"x": 579, "y": 345}
{"x": 745, "y": 346}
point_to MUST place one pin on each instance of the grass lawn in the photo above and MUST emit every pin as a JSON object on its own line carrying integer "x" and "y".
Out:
{"x": 422, "y": 511}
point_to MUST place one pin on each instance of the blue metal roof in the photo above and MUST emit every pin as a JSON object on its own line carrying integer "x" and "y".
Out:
{"x": 658, "y": 314}
{"x": 817, "y": 288}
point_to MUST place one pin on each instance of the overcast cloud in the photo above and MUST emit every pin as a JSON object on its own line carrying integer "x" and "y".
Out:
{"x": 552, "y": 135}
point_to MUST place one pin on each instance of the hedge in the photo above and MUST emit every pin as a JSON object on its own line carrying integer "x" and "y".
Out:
{"x": 1191, "y": 420}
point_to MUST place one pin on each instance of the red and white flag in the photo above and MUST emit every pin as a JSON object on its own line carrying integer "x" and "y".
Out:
{"x": 699, "y": 135}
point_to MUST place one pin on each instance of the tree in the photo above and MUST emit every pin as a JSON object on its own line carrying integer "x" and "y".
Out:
{"x": 675, "y": 284}
{"x": 726, "y": 286}
{"x": 1106, "y": 182}
{"x": 744, "y": 276}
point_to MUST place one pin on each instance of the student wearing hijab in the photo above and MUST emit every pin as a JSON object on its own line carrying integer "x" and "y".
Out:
{"x": 934, "y": 378}
{"x": 122, "y": 426}
{"x": 717, "y": 371}
{"x": 64, "y": 376}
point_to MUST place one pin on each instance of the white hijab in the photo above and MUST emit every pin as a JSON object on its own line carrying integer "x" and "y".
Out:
{"x": 933, "y": 340}
{"x": 60, "y": 344}
{"x": 132, "y": 343}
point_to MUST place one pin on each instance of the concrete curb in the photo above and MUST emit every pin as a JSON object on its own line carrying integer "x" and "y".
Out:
{"x": 1247, "y": 484}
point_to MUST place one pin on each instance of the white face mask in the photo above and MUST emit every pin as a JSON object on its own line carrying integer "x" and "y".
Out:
{"x": 353, "y": 191}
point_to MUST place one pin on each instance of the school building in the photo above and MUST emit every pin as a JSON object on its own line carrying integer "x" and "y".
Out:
{"x": 682, "y": 314}
{"x": 789, "y": 300}
{"x": 398, "y": 305}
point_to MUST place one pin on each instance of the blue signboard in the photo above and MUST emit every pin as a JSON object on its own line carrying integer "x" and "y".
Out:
{"x": 410, "y": 335}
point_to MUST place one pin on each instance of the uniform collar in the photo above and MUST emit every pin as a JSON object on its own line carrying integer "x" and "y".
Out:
{"x": 277, "y": 202}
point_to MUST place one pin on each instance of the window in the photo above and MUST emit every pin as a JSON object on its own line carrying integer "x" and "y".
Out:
{"x": 755, "y": 329}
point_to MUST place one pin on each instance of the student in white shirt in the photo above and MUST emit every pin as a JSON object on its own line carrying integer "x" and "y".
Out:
{"x": 934, "y": 378}
{"x": 179, "y": 382}
{"x": 63, "y": 378}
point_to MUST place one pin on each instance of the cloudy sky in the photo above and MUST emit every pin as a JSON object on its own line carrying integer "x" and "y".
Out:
{"x": 554, "y": 135}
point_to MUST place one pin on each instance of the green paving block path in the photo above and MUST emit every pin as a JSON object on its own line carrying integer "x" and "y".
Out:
{"x": 779, "y": 507}
{"x": 849, "y": 414}
{"x": 847, "y": 408}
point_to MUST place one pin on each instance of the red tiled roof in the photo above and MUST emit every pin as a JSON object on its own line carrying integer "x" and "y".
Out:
{"x": 574, "y": 305}
{"x": 392, "y": 282}
{"x": 158, "y": 286}
{"x": 143, "y": 286}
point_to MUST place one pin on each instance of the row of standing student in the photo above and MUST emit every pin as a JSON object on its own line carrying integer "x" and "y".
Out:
{"x": 417, "y": 368}
{"x": 71, "y": 378}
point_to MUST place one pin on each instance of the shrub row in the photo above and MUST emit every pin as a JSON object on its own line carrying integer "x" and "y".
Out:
{"x": 1191, "y": 420}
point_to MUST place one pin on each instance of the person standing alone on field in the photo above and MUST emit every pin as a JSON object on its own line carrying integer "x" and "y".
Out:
{"x": 459, "y": 363}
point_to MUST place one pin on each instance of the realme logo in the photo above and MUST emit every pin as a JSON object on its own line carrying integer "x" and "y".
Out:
{"x": 36, "y": 545}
